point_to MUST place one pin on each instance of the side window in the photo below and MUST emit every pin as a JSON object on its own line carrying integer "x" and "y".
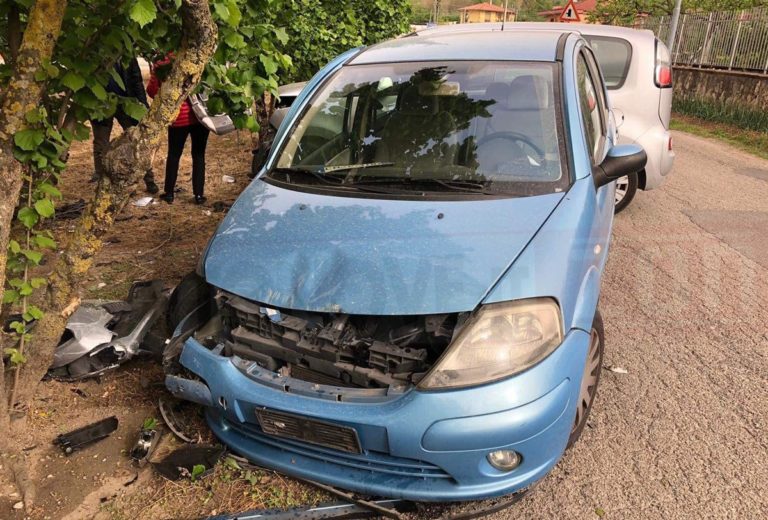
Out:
{"x": 590, "y": 108}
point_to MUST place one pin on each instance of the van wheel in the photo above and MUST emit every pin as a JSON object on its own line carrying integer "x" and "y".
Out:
{"x": 626, "y": 187}
{"x": 589, "y": 379}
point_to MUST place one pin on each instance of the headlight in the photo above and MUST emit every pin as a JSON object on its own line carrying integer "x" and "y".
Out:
{"x": 500, "y": 340}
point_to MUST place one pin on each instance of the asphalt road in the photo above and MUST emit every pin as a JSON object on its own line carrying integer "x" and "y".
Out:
{"x": 684, "y": 433}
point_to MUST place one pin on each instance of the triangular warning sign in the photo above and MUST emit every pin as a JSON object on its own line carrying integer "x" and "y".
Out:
{"x": 570, "y": 14}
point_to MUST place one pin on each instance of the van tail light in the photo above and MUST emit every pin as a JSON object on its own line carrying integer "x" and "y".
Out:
{"x": 663, "y": 67}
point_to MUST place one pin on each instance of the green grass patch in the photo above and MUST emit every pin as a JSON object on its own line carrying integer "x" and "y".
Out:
{"x": 752, "y": 141}
{"x": 744, "y": 117}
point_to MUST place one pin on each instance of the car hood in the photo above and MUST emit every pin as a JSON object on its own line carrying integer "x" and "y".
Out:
{"x": 317, "y": 252}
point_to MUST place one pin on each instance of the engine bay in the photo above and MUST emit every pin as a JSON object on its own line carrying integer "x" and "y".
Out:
{"x": 342, "y": 350}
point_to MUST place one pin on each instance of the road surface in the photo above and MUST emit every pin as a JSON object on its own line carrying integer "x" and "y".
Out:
{"x": 683, "y": 434}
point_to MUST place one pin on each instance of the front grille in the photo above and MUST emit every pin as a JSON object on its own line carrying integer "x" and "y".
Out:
{"x": 372, "y": 462}
{"x": 330, "y": 435}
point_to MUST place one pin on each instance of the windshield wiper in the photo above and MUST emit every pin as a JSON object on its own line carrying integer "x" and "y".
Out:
{"x": 344, "y": 167}
{"x": 318, "y": 174}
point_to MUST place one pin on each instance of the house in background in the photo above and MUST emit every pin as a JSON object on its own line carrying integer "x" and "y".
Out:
{"x": 485, "y": 12}
{"x": 582, "y": 8}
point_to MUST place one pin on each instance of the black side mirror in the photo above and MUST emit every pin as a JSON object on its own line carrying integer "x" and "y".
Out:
{"x": 621, "y": 160}
{"x": 260, "y": 156}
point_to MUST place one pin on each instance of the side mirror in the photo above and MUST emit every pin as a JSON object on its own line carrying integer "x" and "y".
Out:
{"x": 621, "y": 160}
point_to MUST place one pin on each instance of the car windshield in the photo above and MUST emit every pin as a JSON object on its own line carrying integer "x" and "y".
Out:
{"x": 489, "y": 127}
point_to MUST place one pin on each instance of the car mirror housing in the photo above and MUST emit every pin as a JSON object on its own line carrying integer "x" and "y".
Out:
{"x": 621, "y": 160}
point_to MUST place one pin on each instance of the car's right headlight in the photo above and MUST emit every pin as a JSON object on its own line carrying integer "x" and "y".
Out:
{"x": 500, "y": 340}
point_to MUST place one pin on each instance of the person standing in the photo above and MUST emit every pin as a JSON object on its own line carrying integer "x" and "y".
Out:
{"x": 186, "y": 124}
{"x": 133, "y": 87}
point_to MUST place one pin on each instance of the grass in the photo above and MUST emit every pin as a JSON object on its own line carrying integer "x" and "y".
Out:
{"x": 751, "y": 141}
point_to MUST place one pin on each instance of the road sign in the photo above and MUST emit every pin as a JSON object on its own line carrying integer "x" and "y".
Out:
{"x": 570, "y": 14}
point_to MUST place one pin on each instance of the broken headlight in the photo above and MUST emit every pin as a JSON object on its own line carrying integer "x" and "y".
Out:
{"x": 500, "y": 340}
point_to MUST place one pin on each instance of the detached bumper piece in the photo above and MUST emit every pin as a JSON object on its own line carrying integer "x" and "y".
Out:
{"x": 82, "y": 437}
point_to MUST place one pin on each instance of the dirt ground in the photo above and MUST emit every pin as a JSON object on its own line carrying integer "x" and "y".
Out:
{"x": 160, "y": 241}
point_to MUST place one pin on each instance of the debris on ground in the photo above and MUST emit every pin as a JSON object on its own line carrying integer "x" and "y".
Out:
{"x": 616, "y": 370}
{"x": 186, "y": 461}
{"x": 100, "y": 335}
{"x": 87, "y": 435}
{"x": 143, "y": 202}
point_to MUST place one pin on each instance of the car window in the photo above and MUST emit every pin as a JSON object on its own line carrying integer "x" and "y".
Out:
{"x": 487, "y": 124}
{"x": 590, "y": 107}
{"x": 614, "y": 56}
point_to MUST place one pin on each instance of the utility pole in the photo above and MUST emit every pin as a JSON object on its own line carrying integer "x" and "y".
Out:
{"x": 673, "y": 25}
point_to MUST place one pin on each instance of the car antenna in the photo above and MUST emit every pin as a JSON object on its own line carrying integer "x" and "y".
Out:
{"x": 504, "y": 20}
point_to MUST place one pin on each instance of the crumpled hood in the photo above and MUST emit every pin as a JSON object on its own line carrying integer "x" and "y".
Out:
{"x": 317, "y": 252}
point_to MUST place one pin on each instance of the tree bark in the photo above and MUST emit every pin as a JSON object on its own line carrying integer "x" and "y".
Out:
{"x": 125, "y": 163}
{"x": 22, "y": 94}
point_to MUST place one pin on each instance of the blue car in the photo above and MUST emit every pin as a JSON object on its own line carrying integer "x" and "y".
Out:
{"x": 403, "y": 303}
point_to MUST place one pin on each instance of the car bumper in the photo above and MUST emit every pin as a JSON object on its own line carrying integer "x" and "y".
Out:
{"x": 426, "y": 446}
{"x": 655, "y": 142}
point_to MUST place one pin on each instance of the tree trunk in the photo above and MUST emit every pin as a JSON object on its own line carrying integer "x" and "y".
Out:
{"x": 125, "y": 163}
{"x": 22, "y": 94}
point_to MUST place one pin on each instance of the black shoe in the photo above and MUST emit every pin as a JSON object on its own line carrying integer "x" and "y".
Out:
{"x": 167, "y": 197}
{"x": 199, "y": 199}
{"x": 151, "y": 187}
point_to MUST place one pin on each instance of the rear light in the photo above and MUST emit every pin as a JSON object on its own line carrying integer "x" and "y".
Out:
{"x": 663, "y": 66}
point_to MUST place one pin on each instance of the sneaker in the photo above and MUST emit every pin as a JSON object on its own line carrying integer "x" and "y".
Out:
{"x": 151, "y": 187}
{"x": 199, "y": 199}
{"x": 167, "y": 197}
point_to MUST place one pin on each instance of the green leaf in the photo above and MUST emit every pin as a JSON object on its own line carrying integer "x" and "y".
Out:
{"x": 14, "y": 247}
{"x": 45, "y": 242}
{"x": 16, "y": 357}
{"x": 49, "y": 189}
{"x": 37, "y": 282}
{"x": 143, "y": 11}
{"x": 35, "y": 312}
{"x": 34, "y": 257}
{"x": 133, "y": 108}
{"x": 235, "y": 40}
{"x": 29, "y": 139}
{"x": 28, "y": 217}
{"x": 73, "y": 81}
{"x": 116, "y": 77}
{"x": 99, "y": 91}
{"x": 197, "y": 471}
{"x": 44, "y": 208}
{"x": 270, "y": 66}
{"x": 10, "y": 296}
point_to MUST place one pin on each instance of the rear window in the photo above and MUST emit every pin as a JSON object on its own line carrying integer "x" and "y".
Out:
{"x": 613, "y": 55}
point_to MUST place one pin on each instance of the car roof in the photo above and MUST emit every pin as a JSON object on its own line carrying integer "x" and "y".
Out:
{"x": 589, "y": 29}
{"x": 465, "y": 45}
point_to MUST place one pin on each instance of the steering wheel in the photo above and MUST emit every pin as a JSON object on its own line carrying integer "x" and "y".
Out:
{"x": 515, "y": 137}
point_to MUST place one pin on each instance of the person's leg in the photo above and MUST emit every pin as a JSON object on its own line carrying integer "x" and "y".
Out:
{"x": 149, "y": 176}
{"x": 199, "y": 143}
{"x": 101, "y": 132}
{"x": 176, "y": 139}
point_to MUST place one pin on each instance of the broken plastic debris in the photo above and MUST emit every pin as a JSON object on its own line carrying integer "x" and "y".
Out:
{"x": 228, "y": 179}
{"x": 142, "y": 202}
{"x": 616, "y": 370}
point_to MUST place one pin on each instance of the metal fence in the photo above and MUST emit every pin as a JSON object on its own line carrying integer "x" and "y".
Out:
{"x": 730, "y": 40}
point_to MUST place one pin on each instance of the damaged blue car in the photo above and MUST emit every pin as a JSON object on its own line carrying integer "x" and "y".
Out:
{"x": 403, "y": 303}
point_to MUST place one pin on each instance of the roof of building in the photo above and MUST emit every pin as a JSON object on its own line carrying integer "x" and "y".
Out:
{"x": 485, "y": 6}
{"x": 585, "y": 7}
{"x": 464, "y": 45}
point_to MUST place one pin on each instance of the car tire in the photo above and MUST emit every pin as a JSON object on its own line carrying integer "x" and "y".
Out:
{"x": 191, "y": 292}
{"x": 590, "y": 378}
{"x": 626, "y": 188}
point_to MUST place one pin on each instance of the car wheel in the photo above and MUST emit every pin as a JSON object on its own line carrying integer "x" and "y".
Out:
{"x": 626, "y": 187}
{"x": 589, "y": 379}
{"x": 191, "y": 292}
